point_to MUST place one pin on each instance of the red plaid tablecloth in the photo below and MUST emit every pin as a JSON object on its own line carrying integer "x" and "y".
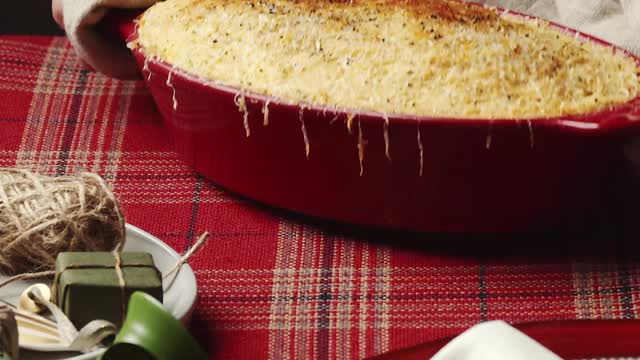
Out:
{"x": 273, "y": 285}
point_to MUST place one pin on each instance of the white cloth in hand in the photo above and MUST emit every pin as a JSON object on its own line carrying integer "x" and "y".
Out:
{"x": 100, "y": 51}
{"x": 494, "y": 340}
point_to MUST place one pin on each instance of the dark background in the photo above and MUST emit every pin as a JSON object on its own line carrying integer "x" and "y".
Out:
{"x": 27, "y": 17}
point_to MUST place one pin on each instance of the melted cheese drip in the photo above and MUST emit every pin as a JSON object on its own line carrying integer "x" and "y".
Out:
{"x": 421, "y": 150}
{"x": 241, "y": 102}
{"x": 173, "y": 89}
{"x": 350, "y": 122}
{"x": 431, "y": 58}
{"x": 386, "y": 137}
{"x": 265, "y": 114}
{"x": 361, "y": 144}
{"x": 531, "y": 137}
{"x": 305, "y": 136}
{"x": 145, "y": 68}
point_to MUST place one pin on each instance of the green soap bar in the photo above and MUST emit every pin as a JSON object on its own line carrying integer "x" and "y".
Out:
{"x": 90, "y": 293}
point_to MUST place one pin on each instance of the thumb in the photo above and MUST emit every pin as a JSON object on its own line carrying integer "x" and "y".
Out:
{"x": 58, "y": 14}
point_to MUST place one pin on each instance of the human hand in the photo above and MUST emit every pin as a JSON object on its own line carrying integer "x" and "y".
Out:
{"x": 56, "y": 10}
{"x": 97, "y": 50}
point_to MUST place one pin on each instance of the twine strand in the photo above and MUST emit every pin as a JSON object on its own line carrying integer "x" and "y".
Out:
{"x": 27, "y": 276}
{"x": 121, "y": 282}
{"x": 201, "y": 241}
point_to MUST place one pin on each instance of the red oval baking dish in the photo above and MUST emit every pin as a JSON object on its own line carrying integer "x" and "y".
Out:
{"x": 442, "y": 174}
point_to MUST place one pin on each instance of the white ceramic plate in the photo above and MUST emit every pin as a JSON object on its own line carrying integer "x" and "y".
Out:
{"x": 179, "y": 298}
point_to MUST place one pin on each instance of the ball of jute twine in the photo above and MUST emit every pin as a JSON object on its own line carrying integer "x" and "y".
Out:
{"x": 41, "y": 216}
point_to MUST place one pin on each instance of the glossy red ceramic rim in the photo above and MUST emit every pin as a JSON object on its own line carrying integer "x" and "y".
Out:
{"x": 618, "y": 117}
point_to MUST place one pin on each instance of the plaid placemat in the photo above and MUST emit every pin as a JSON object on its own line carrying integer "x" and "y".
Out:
{"x": 273, "y": 285}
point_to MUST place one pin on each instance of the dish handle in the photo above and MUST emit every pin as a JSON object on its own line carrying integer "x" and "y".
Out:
{"x": 120, "y": 23}
{"x": 626, "y": 120}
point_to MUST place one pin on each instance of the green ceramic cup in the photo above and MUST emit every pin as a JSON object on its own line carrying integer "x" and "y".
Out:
{"x": 151, "y": 332}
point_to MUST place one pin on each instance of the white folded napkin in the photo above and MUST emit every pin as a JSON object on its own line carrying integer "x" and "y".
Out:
{"x": 494, "y": 340}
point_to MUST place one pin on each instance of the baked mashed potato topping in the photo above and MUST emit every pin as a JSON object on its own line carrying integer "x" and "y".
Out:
{"x": 418, "y": 57}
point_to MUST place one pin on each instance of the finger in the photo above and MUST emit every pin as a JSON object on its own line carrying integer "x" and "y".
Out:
{"x": 56, "y": 10}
